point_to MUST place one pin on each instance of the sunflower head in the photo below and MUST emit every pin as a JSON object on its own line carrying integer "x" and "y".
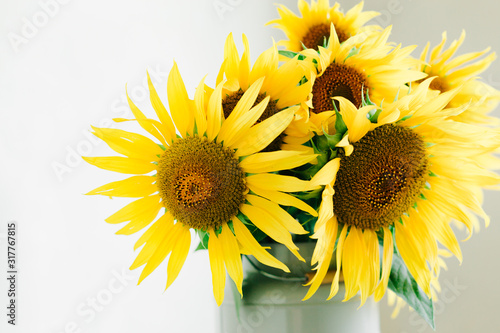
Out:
{"x": 394, "y": 177}
{"x": 204, "y": 171}
{"x": 452, "y": 71}
{"x": 283, "y": 85}
{"x": 312, "y": 29}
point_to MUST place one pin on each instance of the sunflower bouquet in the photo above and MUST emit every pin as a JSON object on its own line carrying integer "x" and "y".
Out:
{"x": 339, "y": 138}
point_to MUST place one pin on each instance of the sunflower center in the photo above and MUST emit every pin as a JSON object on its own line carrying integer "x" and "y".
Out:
{"x": 338, "y": 80}
{"x": 201, "y": 183}
{"x": 318, "y": 34}
{"x": 230, "y": 101}
{"x": 439, "y": 84}
{"x": 381, "y": 179}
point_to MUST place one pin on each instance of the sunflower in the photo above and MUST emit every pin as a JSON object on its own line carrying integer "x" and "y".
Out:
{"x": 410, "y": 171}
{"x": 452, "y": 72}
{"x": 313, "y": 28}
{"x": 281, "y": 83}
{"x": 208, "y": 178}
{"x": 374, "y": 71}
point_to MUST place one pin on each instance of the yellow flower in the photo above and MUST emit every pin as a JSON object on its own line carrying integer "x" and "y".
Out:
{"x": 313, "y": 28}
{"x": 280, "y": 85}
{"x": 209, "y": 178}
{"x": 399, "y": 182}
{"x": 363, "y": 65}
{"x": 452, "y": 72}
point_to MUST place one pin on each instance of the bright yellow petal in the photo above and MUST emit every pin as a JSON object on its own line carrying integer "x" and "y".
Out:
{"x": 284, "y": 199}
{"x": 161, "y": 111}
{"x": 340, "y": 250}
{"x": 386, "y": 264}
{"x": 352, "y": 261}
{"x": 232, "y": 257}
{"x": 161, "y": 251}
{"x": 268, "y": 224}
{"x": 243, "y": 116}
{"x": 327, "y": 174}
{"x": 159, "y": 232}
{"x": 199, "y": 107}
{"x": 274, "y": 182}
{"x": 148, "y": 124}
{"x": 214, "y": 113}
{"x": 329, "y": 237}
{"x": 216, "y": 257}
{"x": 133, "y": 187}
{"x": 275, "y": 161}
{"x": 179, "y": 102}
{"x": 129, "y": 144}
{"x": 286, "y": 220}
{"x": 261, "y": 135}
{"x": 121, "y": 164}
{"x": 248, "y": 241}
{"x": 179, "y": 254}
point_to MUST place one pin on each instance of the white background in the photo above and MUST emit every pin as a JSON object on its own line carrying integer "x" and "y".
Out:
{"x": 69, "y": 71}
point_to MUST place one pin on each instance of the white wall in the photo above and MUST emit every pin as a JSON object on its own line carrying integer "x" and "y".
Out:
{"x": 70, "y": 72}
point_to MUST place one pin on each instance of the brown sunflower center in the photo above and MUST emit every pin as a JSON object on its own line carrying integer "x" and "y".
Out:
{"x": 318, "y": 34}
{"x": 381, "y": 179}
{"x": 338, "y": 80}
{"x": 200, "y": 182}
{"x": 439, "y": 84}
{"x": 229, "y": 103}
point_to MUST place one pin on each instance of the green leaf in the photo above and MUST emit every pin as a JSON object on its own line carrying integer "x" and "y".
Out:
{"x": 404, "y": 285}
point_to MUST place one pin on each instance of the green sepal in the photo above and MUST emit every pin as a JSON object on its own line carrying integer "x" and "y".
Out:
{"x": 203, "y": 235}
{"x": 340, "y": 126}
{"x": 291, "y": 54}
{"x": 352, "y": 52}
{"x": 404, "y": 285}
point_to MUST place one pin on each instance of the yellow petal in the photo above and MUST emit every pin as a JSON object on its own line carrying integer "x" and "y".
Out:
{"x": 245, "y": 64}
{"x": 161, "y": 252}
{"x": 329, "y": 237}
{"x": 179, "y": 254}
{"x": 352, "y": 261}
{"x": 248, "y": 241}
{"x": 325, "y": 212}
{"x": 129, "y": 144}
{"x": 161, "y": 111}
{"x": 327, "y": 174}
{"x": 179, "y": 103}
{"x": 214, "y": 113}
{"x": 140, "y": 213}
{"x": 274, "y": 182}
{"x": 268, "y": 224}
{"x": 159, "y": 232}
{"x": 216, "y": 257}
{"x": 231, "y": 58}
{"x": 386, "y": 264}
{"x": 340, "y": 250}
{"x": 284, "y": 199}
{"x": 146, "y": 123}
{"x": 275, "y": 161}
{"x": 232, "y": 257}
{"x": 133, "y": 187}
{"x": 261, "y": 135}
{"x": 121, "y": 164}
{"x": 243, "y": 116}
{"x": 286, "y": 220}
{"x": 200, "y": 111}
